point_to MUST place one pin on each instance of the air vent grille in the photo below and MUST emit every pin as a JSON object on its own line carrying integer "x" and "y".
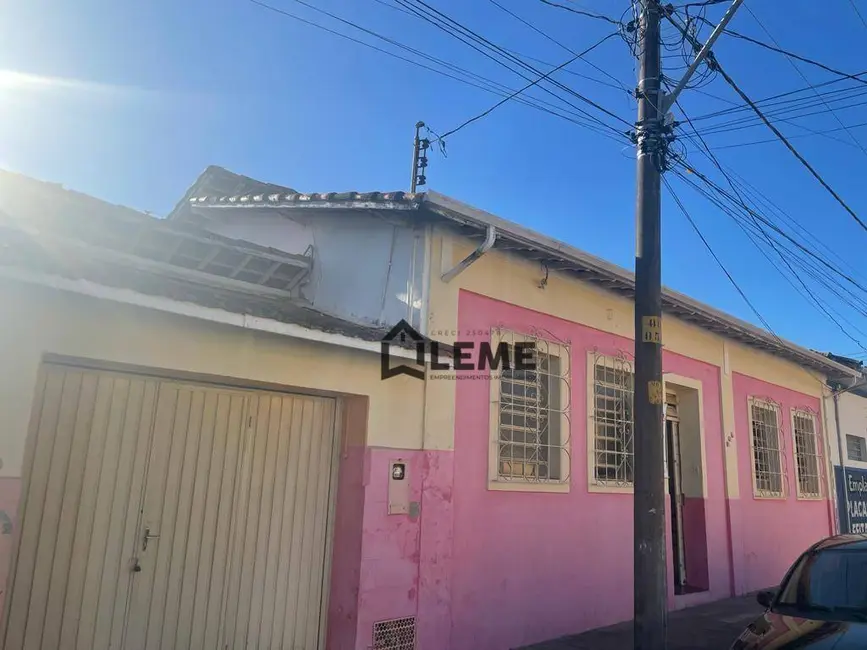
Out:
{"x": 396, "y": 634}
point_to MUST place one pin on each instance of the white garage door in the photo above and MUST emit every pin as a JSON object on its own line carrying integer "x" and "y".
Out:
{"x": 165, "y": 515}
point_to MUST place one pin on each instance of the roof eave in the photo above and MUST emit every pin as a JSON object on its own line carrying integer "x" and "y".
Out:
{"x": 200, "y": 206}
{"x": 615, "y": 278}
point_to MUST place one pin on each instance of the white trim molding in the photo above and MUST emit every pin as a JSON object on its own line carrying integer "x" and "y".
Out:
{"x": 192, "y": 310}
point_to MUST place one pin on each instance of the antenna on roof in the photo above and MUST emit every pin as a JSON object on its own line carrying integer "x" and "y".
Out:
{"x": 419, "y": 158}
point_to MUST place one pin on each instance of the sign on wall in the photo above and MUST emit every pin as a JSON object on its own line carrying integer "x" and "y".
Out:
{"x": 854, "y": 482}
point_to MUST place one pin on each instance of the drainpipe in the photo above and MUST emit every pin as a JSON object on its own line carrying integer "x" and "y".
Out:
{"x": 461, "y": 266}
{"x": 836, "y": 396}
{"x": 835, "y": 393}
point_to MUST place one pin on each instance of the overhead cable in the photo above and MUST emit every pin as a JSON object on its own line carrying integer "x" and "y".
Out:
{"x": 462, "y": 75}
{"x": 528, "y": 86}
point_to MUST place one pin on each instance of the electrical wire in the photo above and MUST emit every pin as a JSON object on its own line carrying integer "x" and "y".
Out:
{"x": 457, "y": 30}
{"x": 731, "y": 82}
{"x": 528, "y": 86}
{"x": 804, "y": 291}
{"x": 810, "y": 271}
{"x": 791, "y": 112}
{"x": 716, "y": 258}
{"x": 772, "y": 99}
{"x": 858, "y": 12}
{"x": 712, "y": 62}
{"x": 803, "y": 76}
{"x": 719, "y": 191}
{"x": 792, "y": 55}
{"x": 791, "y": 137}
{"x": 462, "y": 75}
{"x": 581, "y": 12}
{"x": 556, "y": 42}
{"x": 619, "y": 85}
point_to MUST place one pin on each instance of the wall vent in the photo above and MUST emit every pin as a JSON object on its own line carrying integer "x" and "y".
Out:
{"x": 396, "y": 634}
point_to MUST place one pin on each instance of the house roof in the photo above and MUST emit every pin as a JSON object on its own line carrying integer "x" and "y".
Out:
{"x": 48, "y": 229}
{"x": 203, "y": 198}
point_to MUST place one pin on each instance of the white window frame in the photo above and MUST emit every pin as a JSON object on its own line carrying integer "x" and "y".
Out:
{"x": 817, "y": 455}
{"x": 594, "y": 358}
{"x": 777, "y": 409}
{"x": 561, "y": 484}
{"x": 862, "y": 444}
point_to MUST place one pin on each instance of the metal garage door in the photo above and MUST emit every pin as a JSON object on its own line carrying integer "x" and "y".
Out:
{"x": 160, "y": 514}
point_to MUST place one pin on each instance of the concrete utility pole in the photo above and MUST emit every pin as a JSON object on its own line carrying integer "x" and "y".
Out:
{"x": 650, "y": 569}
{"x": 651, "y": 591}
{"x": 419, "y": 158}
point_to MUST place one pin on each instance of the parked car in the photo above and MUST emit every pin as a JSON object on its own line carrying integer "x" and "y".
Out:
{"x": 821, "y": 602}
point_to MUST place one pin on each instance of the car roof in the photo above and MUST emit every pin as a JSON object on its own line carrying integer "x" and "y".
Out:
{"x": 849, "y": 541}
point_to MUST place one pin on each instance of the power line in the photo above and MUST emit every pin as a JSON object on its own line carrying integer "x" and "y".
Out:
{"x": 789, "y": 146}
{"x": 475, "y": 42}
{"x": 717, "y": 259}
{"x": 858, "y": 11}
{"x": 811, "y": 272}
{"x": 793, "y": 96}
{"x": 555, "y": 41}
{"x": 791, "y": 137}
{"x": 804, "y": 291}
{"x": 486, "y": 84}
{"x": 619, "y": 84}
{"x": 722, "y": 192}
{"x": 803, "y": 76}
{"x": 529, "y": 85}
{"x": 792, "y": 113}
{"x": 806, "y": 294}
{"x": 437, "y": 18}
{"x": 706, "y": 3}
{"x": 779, "y": 50}
{"x": 582, "y": 12}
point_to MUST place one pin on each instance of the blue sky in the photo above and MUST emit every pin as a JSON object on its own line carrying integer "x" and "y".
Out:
{"x": 131, "y": 101}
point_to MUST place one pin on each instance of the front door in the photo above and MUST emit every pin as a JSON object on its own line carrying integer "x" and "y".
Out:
{"x": 179, "y": 559}
{"x": 675, "y": 492}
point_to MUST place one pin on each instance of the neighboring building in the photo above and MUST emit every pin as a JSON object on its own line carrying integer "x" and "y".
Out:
{"x": 846, "y": 407}
{"x": 197, "y": 435}
{"x": 471, "y": 511}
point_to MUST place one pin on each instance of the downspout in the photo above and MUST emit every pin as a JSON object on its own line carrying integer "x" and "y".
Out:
{"x": 461, "y": 266}
{"x": 835, "y": 394}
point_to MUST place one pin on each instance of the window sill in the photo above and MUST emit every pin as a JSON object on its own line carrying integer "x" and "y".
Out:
{"x": 596, "y": 488}
{"x": 770, "y": 497}
{"x": 529, "y": 486}
{"x": 811, "y": 497}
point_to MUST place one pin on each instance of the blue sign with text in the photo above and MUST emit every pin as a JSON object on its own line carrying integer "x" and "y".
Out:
{"x": 851, "y": 499}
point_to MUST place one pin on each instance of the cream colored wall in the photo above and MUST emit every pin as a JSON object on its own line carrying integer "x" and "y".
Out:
{"x": 514, "y": 280}
{"x": 37, "y": 321}
{"x": 853, "y": 421}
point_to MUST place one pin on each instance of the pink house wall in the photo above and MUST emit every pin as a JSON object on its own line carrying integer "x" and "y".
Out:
{"x": 532, "y": 566}
{"x": 774, "y": 531}
{"x": 405, "y": 560}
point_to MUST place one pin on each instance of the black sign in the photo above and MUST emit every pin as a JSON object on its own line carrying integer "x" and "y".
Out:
{"x": 851, "y": 499}
{"x": 458, "y": 356}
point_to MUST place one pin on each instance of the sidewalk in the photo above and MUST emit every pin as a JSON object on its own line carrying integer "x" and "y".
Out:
{"x": 706, "y": 627}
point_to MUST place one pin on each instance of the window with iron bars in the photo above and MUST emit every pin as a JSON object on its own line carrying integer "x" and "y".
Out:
{"x": 856, "y": 448}
{"x": 767, "y": 453}
{"x": 807, "y": 454}
{"x": 613, "y": 425}
{"x": 533, "y": 410}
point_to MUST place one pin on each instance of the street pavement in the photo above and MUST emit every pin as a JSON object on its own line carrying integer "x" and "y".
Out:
{"x": 704, "y": 627}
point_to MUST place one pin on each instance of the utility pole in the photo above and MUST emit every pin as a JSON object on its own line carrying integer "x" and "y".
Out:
{"x": 650, "y": 571}
{"x": 652, "y": 135}
{"x": 419, "y": 158}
